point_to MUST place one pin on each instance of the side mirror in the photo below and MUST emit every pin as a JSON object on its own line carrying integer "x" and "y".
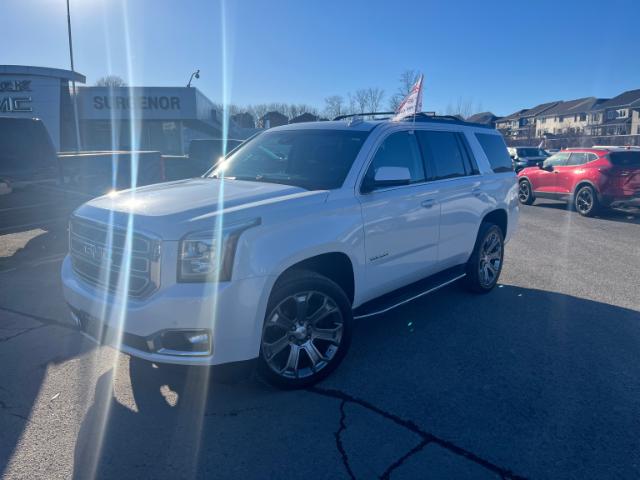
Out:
{"x": 387, "y": 177}
{"x": 548, "y": 168}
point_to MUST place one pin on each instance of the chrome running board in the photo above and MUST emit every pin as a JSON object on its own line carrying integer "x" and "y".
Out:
{"x": 409, "y": 293}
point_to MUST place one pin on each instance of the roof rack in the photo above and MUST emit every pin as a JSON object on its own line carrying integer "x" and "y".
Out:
{"x": 367, "y": 114}
{"x": 419, "y": 117}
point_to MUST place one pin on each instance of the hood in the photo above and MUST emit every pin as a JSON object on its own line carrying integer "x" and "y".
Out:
{"x": 173, "y": 209}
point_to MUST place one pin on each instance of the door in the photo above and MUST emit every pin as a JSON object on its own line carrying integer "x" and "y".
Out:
{"x": 545, "y": 181}
{"x": 400, "y": 223}
{"x": 458, "y": 190}
{"x": 566, "y": 174}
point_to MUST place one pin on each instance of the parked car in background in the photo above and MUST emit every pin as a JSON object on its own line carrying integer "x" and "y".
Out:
{"x": 589, "y": 179}
{"x": 29, "y": 174}
{"x": 39, "y": 185}
{"x": 526, "y": 157}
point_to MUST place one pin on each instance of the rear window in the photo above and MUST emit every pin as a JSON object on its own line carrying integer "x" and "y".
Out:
{"x": 625, "y": 159}
{"x": 443, "y": 152}
{"x": 496, "y": 151}
{"x": 531, "y": 152}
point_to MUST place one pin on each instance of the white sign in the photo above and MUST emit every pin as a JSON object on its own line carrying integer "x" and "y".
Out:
{"x": 147, "y": 103}
{"x": 412, "y": 103}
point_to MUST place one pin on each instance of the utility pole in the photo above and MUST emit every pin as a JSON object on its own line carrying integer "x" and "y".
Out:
{"x": 74, "y": 99}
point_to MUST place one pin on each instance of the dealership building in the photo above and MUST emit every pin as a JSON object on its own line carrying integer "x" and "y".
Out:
{"x": 109, "y": 118}
{"x": 44, "y": 93}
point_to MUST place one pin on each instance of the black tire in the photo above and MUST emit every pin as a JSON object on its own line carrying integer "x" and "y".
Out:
{"x": 287, "y": 299}
{"x": 476, "y": 279}
{"x": 525, "y": 193}
{"x": 585, "y": 201}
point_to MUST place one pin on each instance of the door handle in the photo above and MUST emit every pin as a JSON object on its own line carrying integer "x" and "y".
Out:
{"x": 428, "y": 203}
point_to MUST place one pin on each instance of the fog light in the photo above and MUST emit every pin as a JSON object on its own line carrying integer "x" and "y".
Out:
{"x": 183, "y": 342}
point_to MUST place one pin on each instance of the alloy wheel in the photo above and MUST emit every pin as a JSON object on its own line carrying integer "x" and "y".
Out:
{"x": 524, "y": 191}
{"x": 302, "y": 334}
{"x": 584, "y": 201}
{"x": 490, "y": 259}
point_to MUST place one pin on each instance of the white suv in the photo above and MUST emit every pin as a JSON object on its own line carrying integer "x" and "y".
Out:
{"x": 301, "y": 230}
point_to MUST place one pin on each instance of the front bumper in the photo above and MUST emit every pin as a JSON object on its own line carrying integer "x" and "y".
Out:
{"x": 232, "y": 312}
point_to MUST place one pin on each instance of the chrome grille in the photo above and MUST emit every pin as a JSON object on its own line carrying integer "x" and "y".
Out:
{"x": 98, "y": 252}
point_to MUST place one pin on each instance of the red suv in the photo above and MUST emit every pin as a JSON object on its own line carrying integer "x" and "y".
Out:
{"x": 589, "y": 178}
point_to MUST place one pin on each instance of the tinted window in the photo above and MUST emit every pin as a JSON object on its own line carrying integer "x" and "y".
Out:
{"x": 578, "y": 158}
{"x": 496, "y": 151}
{"x": 399, "y": 150}
{"x": 531, "y": 152}
{"x": 442, "y": 151}
{"x": 557, "y": 159}
{"x": 625, "y": 159}
{"x": 469, "y": 160}
{"x": 311, "y": 159}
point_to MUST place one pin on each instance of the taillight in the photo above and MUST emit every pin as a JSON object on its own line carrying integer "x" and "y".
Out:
{"x": 606, "y": 168}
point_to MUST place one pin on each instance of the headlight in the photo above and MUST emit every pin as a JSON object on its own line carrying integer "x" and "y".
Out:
{"x": 208, "y": 256}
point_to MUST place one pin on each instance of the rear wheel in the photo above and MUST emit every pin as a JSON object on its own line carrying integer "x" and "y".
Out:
{"x": 525, "y": 194}
{"x": 485, "y": 264}
{"x": 306, "y": 332}
{"x": 586, "y": 202}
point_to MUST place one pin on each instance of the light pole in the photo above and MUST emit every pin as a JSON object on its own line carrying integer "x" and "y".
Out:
{"x": 195, "y": 74}
{"x": 74, "y": 99}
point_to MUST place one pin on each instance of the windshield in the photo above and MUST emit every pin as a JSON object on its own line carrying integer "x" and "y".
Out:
{"x": 311, "y": 159}
{"x": 532, "y": 152}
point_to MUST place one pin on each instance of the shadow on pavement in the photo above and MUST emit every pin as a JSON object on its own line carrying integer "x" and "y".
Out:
{"x": 624, "y": 215}
{"x": 535, "y": 382}
{"x": 41, "y": 241}
{"x": 29, "y": 345}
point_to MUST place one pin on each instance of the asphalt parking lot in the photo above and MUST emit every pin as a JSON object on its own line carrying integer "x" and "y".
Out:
{"x": 538, "y": 379}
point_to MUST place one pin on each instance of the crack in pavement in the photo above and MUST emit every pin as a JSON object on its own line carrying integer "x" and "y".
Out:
{"x": 4, "y": 407}
{"x": 22, "y": 332}
{"x": 427, "y": 437}
{"x": 386, "y": 475}
{"x": 231, "y": 413}
{"x": 38, "y": 318}
{"x": 341, "y": 449}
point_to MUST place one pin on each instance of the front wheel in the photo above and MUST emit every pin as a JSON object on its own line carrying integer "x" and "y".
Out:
{"x": 485, "y": 264}
{"x": 307, "y": 330}
{"x": 525, "y": 194}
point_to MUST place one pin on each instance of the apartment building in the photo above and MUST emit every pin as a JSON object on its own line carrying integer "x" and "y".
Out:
{"x": 522, "y": 124}
{"x": 635, "y": 121}
{"x": 568, "y": 118}
{"x": 617, "y": 116}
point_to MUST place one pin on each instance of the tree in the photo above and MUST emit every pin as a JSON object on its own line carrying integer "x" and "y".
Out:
{"x": 111, "y": 81}
{"x": 374, "y": 98}
{"x": 463, "y": 107}
{"x": 360, "y": 100}
{"x": 334, "y": 106}
{"x": 408, "y": 78}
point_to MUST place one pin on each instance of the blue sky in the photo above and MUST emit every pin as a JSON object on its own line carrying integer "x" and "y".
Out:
{"x": 502, "y": 55}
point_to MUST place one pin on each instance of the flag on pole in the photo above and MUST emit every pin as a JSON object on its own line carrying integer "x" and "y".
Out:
{"x": 412, "y": 103}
